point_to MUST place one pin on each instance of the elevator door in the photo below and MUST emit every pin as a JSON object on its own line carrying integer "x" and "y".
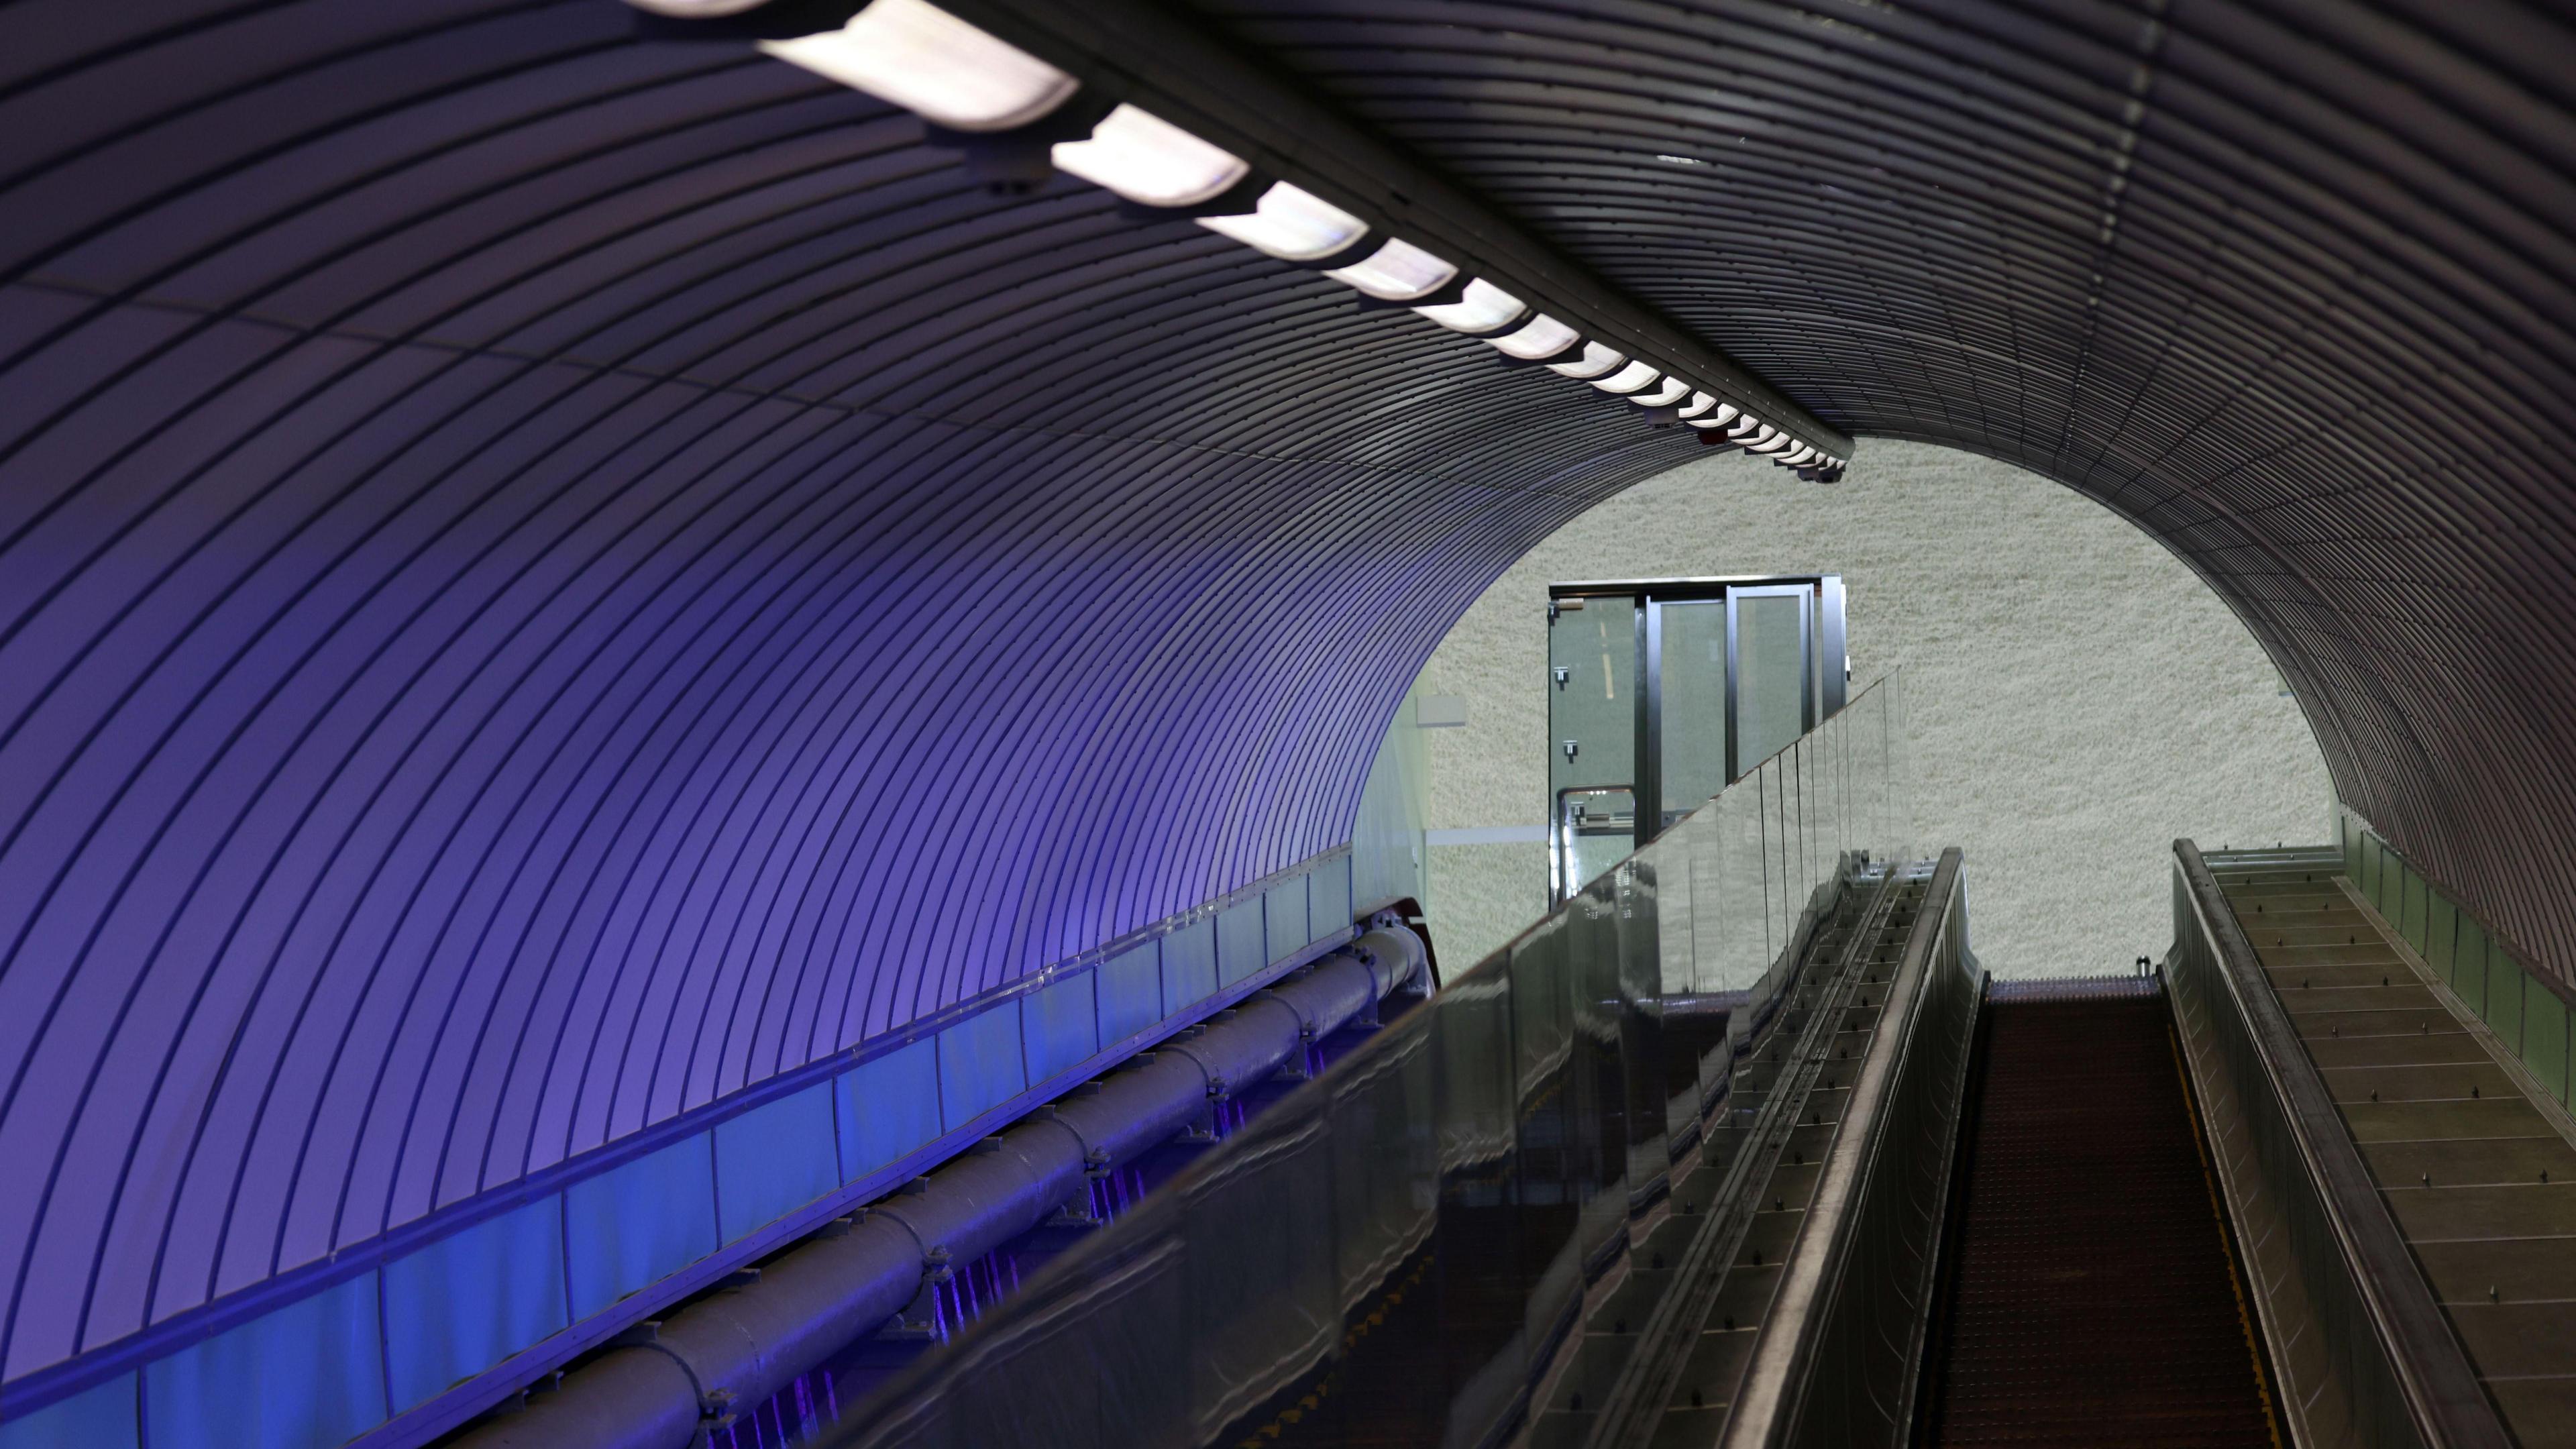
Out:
{"x": 1663, "y": 692}
{"x": 1593, "y": 646}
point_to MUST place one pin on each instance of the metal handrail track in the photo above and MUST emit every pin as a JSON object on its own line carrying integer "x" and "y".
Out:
{"x": 1664, "y": 1342}
{"x": 1775, "y": 1400}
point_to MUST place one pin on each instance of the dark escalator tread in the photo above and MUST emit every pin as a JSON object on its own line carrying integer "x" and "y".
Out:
{"x": 2091, "y": 1300}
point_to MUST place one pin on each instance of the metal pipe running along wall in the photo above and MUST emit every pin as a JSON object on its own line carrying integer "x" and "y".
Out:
{"x": 738, "y": 1346}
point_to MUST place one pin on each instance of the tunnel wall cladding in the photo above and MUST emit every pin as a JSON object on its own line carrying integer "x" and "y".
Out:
{"x": 526, "y": 1279}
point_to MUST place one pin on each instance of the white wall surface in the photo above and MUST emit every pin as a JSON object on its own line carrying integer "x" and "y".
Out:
{"x": 2078, "y": 697}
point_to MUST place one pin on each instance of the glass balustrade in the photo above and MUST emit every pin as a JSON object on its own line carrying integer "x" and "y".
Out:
{"x": 1399, "y": 1252}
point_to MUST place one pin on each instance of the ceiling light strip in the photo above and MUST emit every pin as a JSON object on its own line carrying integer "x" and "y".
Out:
{"x": 961, "y": 77}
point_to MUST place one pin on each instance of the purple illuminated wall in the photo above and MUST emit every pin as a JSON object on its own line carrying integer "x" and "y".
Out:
{"x": 543, "y": 580}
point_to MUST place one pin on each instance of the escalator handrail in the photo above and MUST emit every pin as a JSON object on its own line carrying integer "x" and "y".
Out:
{"x": 1773, "y": 1406}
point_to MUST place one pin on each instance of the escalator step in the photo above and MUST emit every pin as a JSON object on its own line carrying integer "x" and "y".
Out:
{"x": 2092, "y": 1299}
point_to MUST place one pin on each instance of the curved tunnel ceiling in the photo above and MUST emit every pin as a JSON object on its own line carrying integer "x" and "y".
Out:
{"x": 545, "y": 577}
{"x": 2288, "y": 284}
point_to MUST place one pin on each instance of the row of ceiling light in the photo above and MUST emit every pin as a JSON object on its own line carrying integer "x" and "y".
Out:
{"x": 979, "y": 88}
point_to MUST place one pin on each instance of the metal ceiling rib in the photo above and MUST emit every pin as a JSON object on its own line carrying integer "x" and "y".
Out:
{"x": 545, "y": 577}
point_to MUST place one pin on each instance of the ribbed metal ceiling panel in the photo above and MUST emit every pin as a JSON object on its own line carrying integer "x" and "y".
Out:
{"x": 2287, "y": 283}
{"x": 545, "y": 577}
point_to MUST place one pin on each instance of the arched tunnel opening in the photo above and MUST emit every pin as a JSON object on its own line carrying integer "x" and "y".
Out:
{"x": 727, "y": 720}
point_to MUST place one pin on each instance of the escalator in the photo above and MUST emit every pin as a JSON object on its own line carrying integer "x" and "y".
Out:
{"x": 2165, "y": 1215}
{"x": 2016, "y": 1239}
{"x": 2091, "y": 1293}
{"x": 1875, "y": 1201}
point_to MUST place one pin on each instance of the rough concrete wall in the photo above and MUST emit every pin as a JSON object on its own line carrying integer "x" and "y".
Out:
{"x": 2078, "y": 698}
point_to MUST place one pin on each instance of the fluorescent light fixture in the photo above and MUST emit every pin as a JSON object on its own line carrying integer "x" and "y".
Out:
{"x": 1699, "y": 403}
{"x": 1673, "y": 391}
{"x": 1149, "y": 160}
{"x": 930, "y": 62}
{"x": 1291, "y": 224}
{"x": 1632, "y": 378}
{"x": 1596, "y": 361}
{"x": 1485, "y": 307}
{"x": 1543, "y": 337}
{"x": 1396, "y": 272}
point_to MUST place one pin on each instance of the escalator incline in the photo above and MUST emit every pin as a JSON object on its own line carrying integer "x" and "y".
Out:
{"x": 2092, "y": 1297}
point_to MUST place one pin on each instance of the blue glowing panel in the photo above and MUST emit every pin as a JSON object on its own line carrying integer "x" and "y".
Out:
{"x": 1189, "y": 964}
{"x": 468, "y": 1301}
{"x": 1131, "y": 992}
{"x": 1328, "y": 906}
{"x": 1283, "y": 907}
{"x": 774, "y": 1159}
{"x": 979, "y": 1064}
{"x": 889, "y": 1106}
{"x": 1062, "y": 1025}
{"x": 1242, "y": 946}
{"x": 307, "y": 1376}
{"x": 100, "y": 1417}
{"x": 632, "y": 1224}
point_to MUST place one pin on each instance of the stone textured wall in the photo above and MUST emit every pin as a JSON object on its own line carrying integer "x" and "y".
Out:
{"x": 2078, "y": 697}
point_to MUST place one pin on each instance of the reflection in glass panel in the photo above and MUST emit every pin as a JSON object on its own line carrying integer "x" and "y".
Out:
{"x": 1600, "y": 1077}
{"x": 1707, "y": 899}
{"x": 1793, "y": 786}
{"x": 1835, "y": 820}
{"x": 1481, "y": 1284}
{"x": 1675, "y": 883}
{"x": 1641, "y": 1017}
{"x": 1745, "y": 943}
{"x": 1271, "y": 1301}
{"x": 1384, "y": 1141}
{"x": 1542, "y": 1003}
{"x": 1811, "y": 793}
{"x": 1775, "y": 853}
